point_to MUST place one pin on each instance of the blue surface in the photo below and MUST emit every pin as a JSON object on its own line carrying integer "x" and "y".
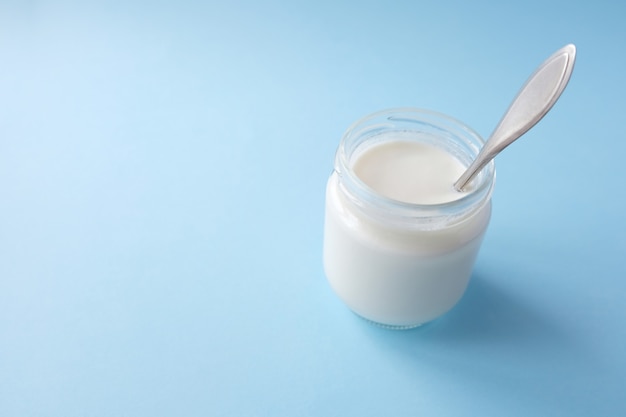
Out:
{"x": 162, "y": 175}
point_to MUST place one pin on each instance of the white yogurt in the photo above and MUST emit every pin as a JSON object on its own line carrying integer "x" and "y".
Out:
{"x": 411, "y": 172}
{"x": 399, "y": 241}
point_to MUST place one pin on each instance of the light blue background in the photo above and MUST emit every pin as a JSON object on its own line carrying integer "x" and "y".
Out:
{"x": 162, "y": 175}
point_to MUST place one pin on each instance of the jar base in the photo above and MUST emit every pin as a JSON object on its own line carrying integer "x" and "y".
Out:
{"x": 390, "y": 326}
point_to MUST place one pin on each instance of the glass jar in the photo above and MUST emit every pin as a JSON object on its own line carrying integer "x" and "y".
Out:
{"x": 394, "y": 263}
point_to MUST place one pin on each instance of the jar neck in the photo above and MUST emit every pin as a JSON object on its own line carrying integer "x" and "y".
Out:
{"x": 421, "y": 126}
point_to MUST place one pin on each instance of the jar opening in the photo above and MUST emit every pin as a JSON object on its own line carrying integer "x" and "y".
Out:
{"x": 424, "y": 126}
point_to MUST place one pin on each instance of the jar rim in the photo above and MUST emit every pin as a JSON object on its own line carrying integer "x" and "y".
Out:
{"x": 406, "y": 119}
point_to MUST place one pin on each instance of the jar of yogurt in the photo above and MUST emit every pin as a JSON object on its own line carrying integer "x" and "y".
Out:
{"x": 399, "y": 241}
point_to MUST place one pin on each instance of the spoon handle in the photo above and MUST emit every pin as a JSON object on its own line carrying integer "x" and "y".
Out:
{"x": 533, "y": 101}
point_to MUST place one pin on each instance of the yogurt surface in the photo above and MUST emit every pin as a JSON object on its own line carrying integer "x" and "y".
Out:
{"x": 411, "y": 172}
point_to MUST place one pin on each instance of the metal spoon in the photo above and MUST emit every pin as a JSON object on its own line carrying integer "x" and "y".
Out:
{"x": 533, "y": 101}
